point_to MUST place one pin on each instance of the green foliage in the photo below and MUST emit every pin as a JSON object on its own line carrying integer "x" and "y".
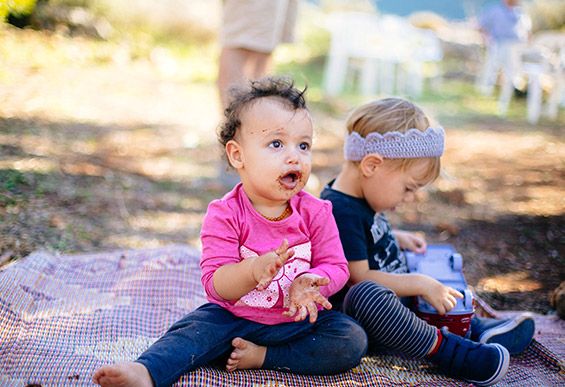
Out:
{"x": 15, "y": 7}
{"x": 11, "y": 180}
{"x": 159, "y": 23}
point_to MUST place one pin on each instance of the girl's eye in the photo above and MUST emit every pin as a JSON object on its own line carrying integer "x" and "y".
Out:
{"x": 276, "y": 144}
{"x": 304, "y": 146}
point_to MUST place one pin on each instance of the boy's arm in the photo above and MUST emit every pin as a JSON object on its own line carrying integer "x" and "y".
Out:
{"x": 408, "y": 240}
{"x": 441, "y": 297}
{"x": 403, "y": 284}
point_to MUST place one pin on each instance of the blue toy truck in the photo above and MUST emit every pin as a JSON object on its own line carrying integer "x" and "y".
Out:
{"x": 445, "y": 264}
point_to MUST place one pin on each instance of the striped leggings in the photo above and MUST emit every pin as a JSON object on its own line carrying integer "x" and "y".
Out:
{"x": 388, "y": 323}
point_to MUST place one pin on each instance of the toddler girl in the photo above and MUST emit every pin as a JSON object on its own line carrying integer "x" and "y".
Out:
{"x": 271, "y": 257}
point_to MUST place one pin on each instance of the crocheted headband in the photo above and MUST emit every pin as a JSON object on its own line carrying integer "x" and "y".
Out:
{"x": 396, "y": 145}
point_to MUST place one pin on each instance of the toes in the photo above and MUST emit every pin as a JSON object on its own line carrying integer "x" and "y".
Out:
{"x": 239, "y": 343}
{"x": 232, "y": 363}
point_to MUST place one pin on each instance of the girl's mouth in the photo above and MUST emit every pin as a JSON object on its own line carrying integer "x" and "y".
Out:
{"x": 290, "y": 180}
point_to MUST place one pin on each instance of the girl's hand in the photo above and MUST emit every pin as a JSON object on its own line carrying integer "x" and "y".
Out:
{"x": 441, "y": 297}
{"x": 266, "y": 266}
{"x": 411, "y": 241}
{"x": 304, "y": 295}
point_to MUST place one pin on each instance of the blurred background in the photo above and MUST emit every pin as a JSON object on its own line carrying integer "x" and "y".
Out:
{"x": 109, "y": 110}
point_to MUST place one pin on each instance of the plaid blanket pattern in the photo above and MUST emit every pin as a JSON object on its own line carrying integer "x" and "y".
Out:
{"x": 61, "y": 317}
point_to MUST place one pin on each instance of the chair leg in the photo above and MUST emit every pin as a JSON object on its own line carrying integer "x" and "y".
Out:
{"x": 336, "y": 70}
{"x": 369, "y": 76}
{"x": 557, "y": 97}
{"x": 534, "y": 94}
{"x": 505, "y": 95}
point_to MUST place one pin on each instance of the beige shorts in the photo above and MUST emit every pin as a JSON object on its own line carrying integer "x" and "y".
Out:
{"x": 258, "y": 25}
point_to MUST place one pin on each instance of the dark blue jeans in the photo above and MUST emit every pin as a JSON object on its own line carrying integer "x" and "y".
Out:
{"x": 333, "y": 344}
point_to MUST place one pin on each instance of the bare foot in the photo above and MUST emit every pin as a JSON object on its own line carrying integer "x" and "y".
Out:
{"x": 245, "y": 355}
{"x": 123, "y": 375}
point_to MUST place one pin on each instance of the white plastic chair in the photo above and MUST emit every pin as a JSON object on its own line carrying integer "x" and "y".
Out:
{"x": 391, "y": 53}
{"x": 425, "y": 50}
{"x": 351, "y": 37}
{"x": 543, "y": 59}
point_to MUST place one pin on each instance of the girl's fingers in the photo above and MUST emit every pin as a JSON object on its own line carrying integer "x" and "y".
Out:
{"x": 324, "y": 302}
{"x": 282, "y": 248}
{"x": 303, "y": 312}
{"x": 291, "y": 311}
{"x": 322, "y": 281}
{"x": 285, "y": 256}
{"x": 313, "y": 311}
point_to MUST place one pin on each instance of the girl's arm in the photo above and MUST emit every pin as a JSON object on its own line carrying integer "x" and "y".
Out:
{"x": 233, "y": 281}
{"x": 225, "y": 275}
{"x": 441, "y": 297}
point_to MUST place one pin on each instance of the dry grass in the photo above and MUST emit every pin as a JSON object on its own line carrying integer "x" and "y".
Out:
{"x": 99, "y": 150}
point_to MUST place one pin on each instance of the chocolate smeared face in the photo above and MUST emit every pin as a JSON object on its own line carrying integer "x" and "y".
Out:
{"x": 291, "y": 180}
{"x": 274, "y": 146}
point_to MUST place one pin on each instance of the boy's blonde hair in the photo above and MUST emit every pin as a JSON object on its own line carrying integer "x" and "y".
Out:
{"x": 393, "y": 115}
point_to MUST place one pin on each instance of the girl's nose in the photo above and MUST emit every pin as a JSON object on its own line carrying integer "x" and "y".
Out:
{"x": 292, "y": 157}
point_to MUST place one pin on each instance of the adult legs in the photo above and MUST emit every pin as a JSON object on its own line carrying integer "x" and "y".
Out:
{"x": 509, "y": 60}
{"x": 239, "y": 65}
{"x": 489, "y": 73}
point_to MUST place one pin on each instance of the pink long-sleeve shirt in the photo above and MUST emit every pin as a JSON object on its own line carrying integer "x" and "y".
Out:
{"x": 233, "y": 230}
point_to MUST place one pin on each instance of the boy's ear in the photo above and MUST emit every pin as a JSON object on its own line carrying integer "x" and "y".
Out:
{"x": 233, "y": 152}
{"x": 370, "y": 163}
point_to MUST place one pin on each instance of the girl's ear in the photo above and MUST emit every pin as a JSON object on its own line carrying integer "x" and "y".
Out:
{"x": 370, "y": 163}
{"x": 233, "y": 152}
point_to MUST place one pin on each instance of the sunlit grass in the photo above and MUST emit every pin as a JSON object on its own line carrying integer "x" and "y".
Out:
{"x": 510, "y": 282}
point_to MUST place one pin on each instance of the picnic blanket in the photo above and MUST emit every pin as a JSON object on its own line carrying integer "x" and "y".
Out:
{"x": 61, "y": 317}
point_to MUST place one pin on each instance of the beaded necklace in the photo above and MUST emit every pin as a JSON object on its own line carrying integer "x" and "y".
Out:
{"x": 287, "y": 211}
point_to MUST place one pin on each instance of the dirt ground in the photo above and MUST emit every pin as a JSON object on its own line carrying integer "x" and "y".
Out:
{"x": 97, "y": 155}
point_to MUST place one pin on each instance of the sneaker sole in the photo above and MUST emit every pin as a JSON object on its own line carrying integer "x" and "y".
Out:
{"x": 501, "y": 370}
{"x": 522, "y": 326}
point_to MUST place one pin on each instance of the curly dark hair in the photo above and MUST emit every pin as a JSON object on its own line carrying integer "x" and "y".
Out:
{"x": 242, "y": 97}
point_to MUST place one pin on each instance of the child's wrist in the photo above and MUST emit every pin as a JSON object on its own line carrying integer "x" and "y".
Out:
{"x": 255, "y": 273}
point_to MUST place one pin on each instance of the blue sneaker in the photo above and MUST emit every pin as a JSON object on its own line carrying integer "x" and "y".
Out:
{"x": 480, "y": 364}
{"x": 514, "y": 334}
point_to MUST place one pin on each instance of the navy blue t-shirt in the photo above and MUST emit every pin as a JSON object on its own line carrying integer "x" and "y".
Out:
{"x": 364, "y": 234}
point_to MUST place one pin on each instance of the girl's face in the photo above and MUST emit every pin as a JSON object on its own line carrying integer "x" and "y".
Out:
{"x": 272, "y": 151}
{"x": 388, "y": 187}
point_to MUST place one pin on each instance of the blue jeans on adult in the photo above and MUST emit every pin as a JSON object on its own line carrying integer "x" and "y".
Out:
{"x": 333, "y": 344}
